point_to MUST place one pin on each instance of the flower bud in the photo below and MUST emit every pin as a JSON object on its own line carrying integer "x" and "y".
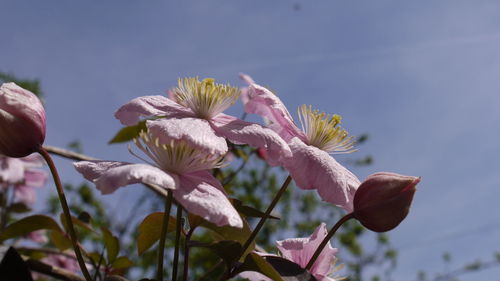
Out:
{"x": 22, "y": 121}
{"x": 383, "y": 200}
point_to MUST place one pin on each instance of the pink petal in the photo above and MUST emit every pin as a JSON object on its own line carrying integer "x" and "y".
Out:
{"x": 148, "y": 106}
{"x": 300, "y": 251}
{"x": 242, "y": 132}
{"x": 244, "y": 91}
{"x": 25, "y": 194}
{"x": 109, "y": 175}
{"x": 201, "y": 194}
{"x": 11, "y": 170}
{"x": 254, "y": 276}
{"x": 312, "y": 168}
{"x": 266, "y": 104}
{"x": 196, "y": 132}
{"x": 35, "y": 178}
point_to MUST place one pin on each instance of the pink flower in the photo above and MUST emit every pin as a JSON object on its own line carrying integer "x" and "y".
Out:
{"x": 300, "y": 251}
{"x": 383, "y": 200}
{"x": 22, "y": 121}
{"x": 64, "y": 262}
{"x": 39, "y": 236}
{"x": 205, "y": 100}
{"x": 310, "y": 164}
{"x": 182, "y": 153}
{"x": 24, "y": 175}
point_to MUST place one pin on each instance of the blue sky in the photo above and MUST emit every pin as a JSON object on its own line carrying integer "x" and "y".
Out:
{"x": 421, "y": 77}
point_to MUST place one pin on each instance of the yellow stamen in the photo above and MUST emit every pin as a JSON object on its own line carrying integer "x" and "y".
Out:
{"x": 205, "y": 98}
{"x": 176, "y": 156}
{"x": 324, "y": 132}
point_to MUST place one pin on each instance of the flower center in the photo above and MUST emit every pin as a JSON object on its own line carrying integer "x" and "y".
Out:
{"x": 176, "y": 156}
{"x": 323, "y": 131}
{"x": 205, "y": 98}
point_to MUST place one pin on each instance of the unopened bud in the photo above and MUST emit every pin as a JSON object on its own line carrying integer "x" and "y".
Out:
{"x": 383, "y": 200}
{"x": 22, "y": 121}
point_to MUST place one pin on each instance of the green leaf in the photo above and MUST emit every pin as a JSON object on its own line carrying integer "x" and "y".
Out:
{"x": 289, "y": 270}
{"x": 76, "y": 222}
{"x": 249, "y": 211}
{"x": 96, "y": 257}
{"x": 228, "y": 250}
{"x": 194, "y": 220}
{"x": 18, "y": 208}
{"x": 122, "y": 262}
{"x": 112, "y": 244}
{"x": 27, "y": 225}
{"x": 254, "y": 262}
{"x": 150, "y": 230}
{"x": 129, "y": 133}
{"x": 60, "y": 240}
{"x": 231, "y": 233}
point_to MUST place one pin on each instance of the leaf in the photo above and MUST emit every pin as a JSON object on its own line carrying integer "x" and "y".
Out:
{"x": 95, "y": 257}
{"x": 254, "y": 262}
{"x": 289, "y": 270}
{"x": 150, "y": 230}
{"x": 76, "y": 222}
{"x": 18, "y": 208}
{"x": 122, "y": 262}
{"x": 229, "y": 232}
{"x": 228, "y": 250}
{"x": 128, "y": 133}
{"x": 27, "y": 225}
{"x": 112, "y": 244}
{"x": 194, "y": 220}
{"x": 84, "y": 217}
{"x": 60, "y": 240}
{"x": 249, "y": 211}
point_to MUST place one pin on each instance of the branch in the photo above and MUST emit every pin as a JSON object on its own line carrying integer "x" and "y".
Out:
{"x": 67, "y": 153}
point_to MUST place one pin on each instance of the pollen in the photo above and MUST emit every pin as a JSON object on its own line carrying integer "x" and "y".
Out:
{"x": 324, "y": 132}
{"x": 206, "y": 98}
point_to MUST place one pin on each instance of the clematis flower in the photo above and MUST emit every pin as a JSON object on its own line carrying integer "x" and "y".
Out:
{"x": 23, "y": 175}
{"x": 205, "y": 100}
{"x": 182, "y": 151}
{"x": 300, "y": 251}
{"x": 22, "y": 121}
{"x": 310, "y": 164}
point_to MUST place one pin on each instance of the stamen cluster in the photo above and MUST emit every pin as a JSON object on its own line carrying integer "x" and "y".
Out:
{"x": 205, "y": 98}
{"x": 177, "y": 156}
{"x": 323, "y": 131}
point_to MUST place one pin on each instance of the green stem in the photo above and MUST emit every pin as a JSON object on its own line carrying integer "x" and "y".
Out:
{"x": 186, "y": 254}
{"x": 163, "y": 236}
{"x": 259, "y": 226}
{"x": 327, "y": 239}
{"x": 67, "y": 214}
{"x": 178, "y": 229}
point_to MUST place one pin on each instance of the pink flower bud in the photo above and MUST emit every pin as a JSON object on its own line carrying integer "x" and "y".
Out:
{"x": 383, "y": 200}
{"x": 22, "y": 121}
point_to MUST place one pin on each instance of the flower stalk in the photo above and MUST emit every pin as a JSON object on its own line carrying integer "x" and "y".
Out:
{"x": 178, "y": 230}
{"x": 164, "y": 228}
{"x": 66, "y": 211}
{"x": 259, "y": 226}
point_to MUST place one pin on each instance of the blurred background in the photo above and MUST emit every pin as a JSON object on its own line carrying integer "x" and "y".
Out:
{"x": 420, "y": 78}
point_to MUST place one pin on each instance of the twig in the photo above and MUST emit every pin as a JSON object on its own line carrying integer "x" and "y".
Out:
{"x": 67, "y": 153}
